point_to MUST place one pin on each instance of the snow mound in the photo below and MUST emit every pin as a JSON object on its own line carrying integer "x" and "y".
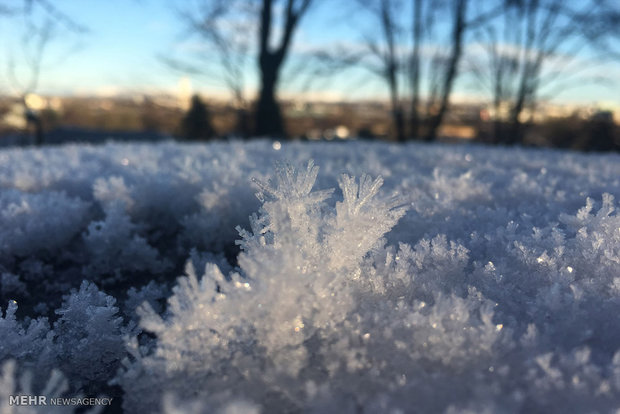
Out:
{"x": 416, "y": 278}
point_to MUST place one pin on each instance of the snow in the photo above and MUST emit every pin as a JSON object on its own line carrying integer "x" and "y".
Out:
{"x": 311, "y": 277}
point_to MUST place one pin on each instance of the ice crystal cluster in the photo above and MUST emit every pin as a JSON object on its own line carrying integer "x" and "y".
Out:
{"x": 238, "y": 278}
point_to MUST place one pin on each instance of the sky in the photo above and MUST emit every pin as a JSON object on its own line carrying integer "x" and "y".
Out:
{"x": 121, "y": 53}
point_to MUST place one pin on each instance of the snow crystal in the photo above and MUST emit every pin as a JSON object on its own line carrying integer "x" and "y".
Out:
{"x": 392, "y": 279}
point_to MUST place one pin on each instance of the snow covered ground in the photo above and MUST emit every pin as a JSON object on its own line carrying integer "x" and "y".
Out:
{"x": 417, "y": 278}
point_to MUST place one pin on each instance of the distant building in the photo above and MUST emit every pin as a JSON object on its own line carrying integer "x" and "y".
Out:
{"x": 14, "y": 117}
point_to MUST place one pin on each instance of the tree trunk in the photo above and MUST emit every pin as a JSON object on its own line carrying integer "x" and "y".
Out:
{"x": 514, "y": 135}
{"x": 38, "y": 132}
{"x": 391, "y": 70}
{"x": 397, "y": 111}
{"x": 497, "y": 121}
{"x": 498, "y": 132}
{"x": 455, "y": 57}
{"x": 515, "y": 130}
{"x": 268, "y": 115}
{"x": 34, "y": 120}
{"x": 243, "y": 128}
{"x": 415, "y": 70}
{"x": 399, "y": 123}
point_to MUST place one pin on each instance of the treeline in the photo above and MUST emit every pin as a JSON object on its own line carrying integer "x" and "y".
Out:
{"x": 518, "y": 53}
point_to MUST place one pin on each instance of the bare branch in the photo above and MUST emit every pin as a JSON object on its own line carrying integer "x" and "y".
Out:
{"x": 59, "y": 16}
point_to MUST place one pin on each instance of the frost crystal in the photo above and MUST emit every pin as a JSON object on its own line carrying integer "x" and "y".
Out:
{"x": 89, "y": 344}
{"x": 296, "y": 286}
{"x": 491, "y": 283}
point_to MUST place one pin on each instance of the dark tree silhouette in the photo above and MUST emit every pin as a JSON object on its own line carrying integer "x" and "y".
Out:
{"x": 445, "y": 65}
{"x": 385, "y": 60}
{"x": 270, "y": 62}
{"x": 223, "y": 26}
{"x": 533, "y": 52}
{"x": 458, "y": 30}
{"x": 43, "y": 22}
{"x": 196, "y": 124}
{"x": 601, "y": 133}
{"x": 391, "y": 66}
{"x": 414, "y": 120}
{"x": 435, "y": 66}
{"x": 34, "y": 45}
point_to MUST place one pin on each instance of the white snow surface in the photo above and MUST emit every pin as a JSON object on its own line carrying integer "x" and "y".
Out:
{"x": 246, "y": 277}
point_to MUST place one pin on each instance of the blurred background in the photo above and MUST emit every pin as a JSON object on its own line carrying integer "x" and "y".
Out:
{"x": 511, "y": 72}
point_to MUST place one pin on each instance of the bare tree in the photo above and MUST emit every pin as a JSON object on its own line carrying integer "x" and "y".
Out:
{"x": 433, "y": 64}
{"x": 445, "y": 63}
{"x": 42, "y": 23}
{"x": 222, "y": 26}
{"x": 385, "y": 57}
{"x": 415, "y": 68}
{"x": 271, "y": 60}
{"x": 427, "y": 64}
{"x": 34, "y": 44}
{"x": 459, "y": 10}
{"x": 533, "y": 52}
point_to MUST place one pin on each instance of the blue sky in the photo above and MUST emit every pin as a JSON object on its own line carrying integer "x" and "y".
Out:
{"x": 120, "y": 53}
